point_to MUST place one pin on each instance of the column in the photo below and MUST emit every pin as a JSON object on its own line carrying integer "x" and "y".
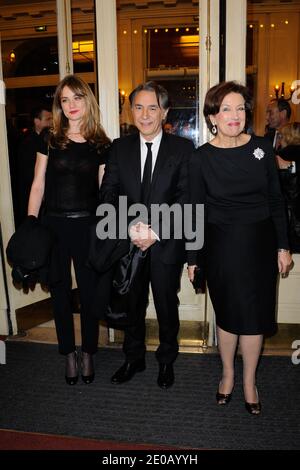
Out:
{"x": 236, "y": 29}
{"x": 107, "y": 65}
{"x": 64, "y": 34}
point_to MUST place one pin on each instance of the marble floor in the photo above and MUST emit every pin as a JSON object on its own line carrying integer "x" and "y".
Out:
{"x": 35, "y": 323}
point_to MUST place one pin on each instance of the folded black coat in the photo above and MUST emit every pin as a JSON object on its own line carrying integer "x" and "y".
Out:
{"x": 119, "y": 264}
{"x": 122, "y": 310}
{"x": 103, "y": 253}
{"x": 29, "y": 252}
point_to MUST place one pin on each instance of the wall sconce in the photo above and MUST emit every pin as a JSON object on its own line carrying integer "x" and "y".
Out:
{"x": 122, "y": 96}
{"x": 276, "y": 89}
{"x": 280, "y": 92}
{"x": 41, "y": 29}
{"x": 12, "y": 57}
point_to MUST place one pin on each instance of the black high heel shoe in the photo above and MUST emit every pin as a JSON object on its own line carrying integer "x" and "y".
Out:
{"x": 223, "y": 398}
{"x": 253, "y": 408}
{"x": 71, "y": 374}
{"x": 87, "y": 368}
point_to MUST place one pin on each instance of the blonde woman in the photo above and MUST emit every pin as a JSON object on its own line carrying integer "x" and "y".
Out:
{"x": 68, "y": 172}
{"x": 288, "y": 160}
{"x": 288, "y": 154}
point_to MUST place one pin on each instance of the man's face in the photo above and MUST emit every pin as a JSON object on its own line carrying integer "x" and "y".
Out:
{"x": 147, "y": 114}
{"x": 43, "y": 122}
{"x": 275, "y": 117}
{"x": 168, "y": 128}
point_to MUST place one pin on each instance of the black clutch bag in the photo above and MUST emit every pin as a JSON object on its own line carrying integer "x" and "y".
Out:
{"x": 199, "y": 282}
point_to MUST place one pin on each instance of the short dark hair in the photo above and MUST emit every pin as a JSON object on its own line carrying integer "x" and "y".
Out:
{"x": 216, "y": 95}
{"x": 161, "y": 93}
{"x": 36, "y": 113}
{"x": 284, "y": 105}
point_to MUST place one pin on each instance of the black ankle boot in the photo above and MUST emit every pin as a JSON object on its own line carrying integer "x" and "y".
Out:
{"x": 71, "y": 375}
{"x": 87, "y": 368}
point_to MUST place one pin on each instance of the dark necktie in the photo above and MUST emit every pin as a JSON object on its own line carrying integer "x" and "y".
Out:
{"x": 147, "y": 174}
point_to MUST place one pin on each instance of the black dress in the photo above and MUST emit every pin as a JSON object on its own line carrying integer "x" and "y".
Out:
{"x": 245, "y": 224}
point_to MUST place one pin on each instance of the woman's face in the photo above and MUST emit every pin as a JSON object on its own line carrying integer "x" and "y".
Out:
{"x": 231, "y": 118}
{"x": 73, "y": 105}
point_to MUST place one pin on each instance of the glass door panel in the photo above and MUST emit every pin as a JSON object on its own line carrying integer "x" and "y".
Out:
{"x": 272, "y": 52}
{"x": 161, "y": 44}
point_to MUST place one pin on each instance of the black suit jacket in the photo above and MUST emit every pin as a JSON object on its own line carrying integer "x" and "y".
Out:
{"x": 169, "y": 182}
{"x": 270, "y": 134}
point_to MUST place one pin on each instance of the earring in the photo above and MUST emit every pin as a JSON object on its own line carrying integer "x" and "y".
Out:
{"x": 214, "y": 129}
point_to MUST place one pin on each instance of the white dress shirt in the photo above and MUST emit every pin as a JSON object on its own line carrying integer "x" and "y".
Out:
{"x": 154, "y": 149}
{"x": 275, "y": 139}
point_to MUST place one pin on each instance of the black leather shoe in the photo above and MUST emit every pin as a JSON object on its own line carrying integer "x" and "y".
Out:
{"x": 127, "y": 371}
{"x": 71, "y": 374}
{"x": 166, "y": 376}
{"x": 87, "y": 368}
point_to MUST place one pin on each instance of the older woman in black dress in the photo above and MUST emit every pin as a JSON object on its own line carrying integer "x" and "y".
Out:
{"x": 246, "y": 244}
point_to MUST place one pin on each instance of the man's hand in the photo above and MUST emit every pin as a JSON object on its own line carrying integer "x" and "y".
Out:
{"x": 142, "y": 236}
{"x": 191, "y": 272}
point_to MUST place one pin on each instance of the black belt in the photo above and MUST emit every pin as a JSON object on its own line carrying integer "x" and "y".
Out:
{"x": 70, "y": 214}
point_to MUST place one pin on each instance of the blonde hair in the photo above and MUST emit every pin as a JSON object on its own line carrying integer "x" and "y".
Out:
{"x": 91, "y": 128}
{"x": 291, "y": 133}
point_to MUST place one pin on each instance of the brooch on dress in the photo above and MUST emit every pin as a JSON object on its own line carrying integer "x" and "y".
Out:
{"x": 259, "y": 153}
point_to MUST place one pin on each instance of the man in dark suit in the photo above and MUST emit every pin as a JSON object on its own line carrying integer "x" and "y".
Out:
{"x": 151, "y": 167}
{"x": 42, "y": 121}
{"x": 278, "y": 115}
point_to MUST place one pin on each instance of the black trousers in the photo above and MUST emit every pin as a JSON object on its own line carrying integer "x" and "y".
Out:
{"x": 165, "y": 284}
{"x": 72, "y": 236}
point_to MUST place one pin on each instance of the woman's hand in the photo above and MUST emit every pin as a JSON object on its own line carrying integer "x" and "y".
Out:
{"x": 285, "y": 262}
{"x": 191, "y": 272}
{"x": 282, "y": 164}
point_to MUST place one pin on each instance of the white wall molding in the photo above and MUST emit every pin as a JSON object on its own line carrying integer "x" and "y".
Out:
{"x": 107, "y": 63}
{"x": 208, "y": 60}
{"x": 64, "y": 37}
{"x": 236, "y": 29}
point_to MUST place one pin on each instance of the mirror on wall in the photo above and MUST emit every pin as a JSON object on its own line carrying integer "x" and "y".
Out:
{"x": 161, "y": 44}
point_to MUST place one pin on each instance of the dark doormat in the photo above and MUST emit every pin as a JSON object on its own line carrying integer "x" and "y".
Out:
{"x": 35, "y": 398}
